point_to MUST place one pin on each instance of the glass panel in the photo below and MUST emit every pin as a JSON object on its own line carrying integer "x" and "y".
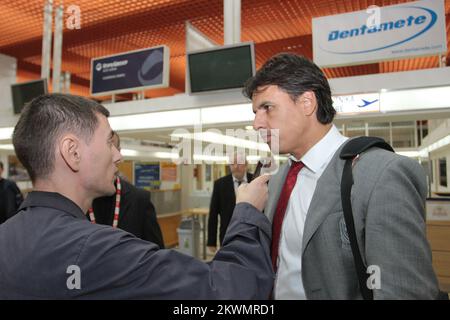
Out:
{"x": 403, "y": 134}
{"x": 380, "y": 129}
{"x": 355, "y": 129}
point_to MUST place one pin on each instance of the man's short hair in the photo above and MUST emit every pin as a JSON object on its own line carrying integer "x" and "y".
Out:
{"x": 1, "y": 165}
{"x": 295, "y": 75}
{"x": 46, "y": 118}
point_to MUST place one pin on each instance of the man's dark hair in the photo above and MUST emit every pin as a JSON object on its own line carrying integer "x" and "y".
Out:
{"x": 1, "y": 165}
{"x": 295, "y": 75}
{"x": 43, "y": 120}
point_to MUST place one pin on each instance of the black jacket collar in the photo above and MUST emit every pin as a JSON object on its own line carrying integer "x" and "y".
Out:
{"x": 52, "y": 200}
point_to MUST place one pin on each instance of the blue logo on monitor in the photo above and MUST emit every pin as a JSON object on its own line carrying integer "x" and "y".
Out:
{"x": 152, "y": 68}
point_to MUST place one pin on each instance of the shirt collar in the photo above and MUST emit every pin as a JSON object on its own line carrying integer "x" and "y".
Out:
{"x": 52, "y": 200}
{"x": 244, "y": 178}
{"x": 318, "y": 155}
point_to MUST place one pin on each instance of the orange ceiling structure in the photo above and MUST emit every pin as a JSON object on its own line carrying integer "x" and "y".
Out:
{"x": 114, "y": 26}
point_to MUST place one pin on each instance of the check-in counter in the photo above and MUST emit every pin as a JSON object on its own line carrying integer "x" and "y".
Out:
{"x": 169, "y": 222}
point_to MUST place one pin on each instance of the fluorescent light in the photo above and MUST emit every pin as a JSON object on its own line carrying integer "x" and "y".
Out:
{"x": 418, "y": 99}
{"x": 225, "y": 114}
{"x": 166, "y": 155}
{"x": 255, "y": 159}
{"x": 214, "y": 137}
{"x": 129, "y": 153}
{"x": 6, "y": 133}
{"x": 6, "y": 147}
{"x": 152, "y": 120}
{"x": 201, "y": 157}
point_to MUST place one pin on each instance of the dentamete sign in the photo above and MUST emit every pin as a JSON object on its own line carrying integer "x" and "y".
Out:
{"x": 380, "y": 33}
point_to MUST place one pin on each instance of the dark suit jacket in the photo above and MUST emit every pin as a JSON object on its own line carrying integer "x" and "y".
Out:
{"x": 10, "y": 199}
{"x": 222, "y": 204}
{"x": 137, "y": 214}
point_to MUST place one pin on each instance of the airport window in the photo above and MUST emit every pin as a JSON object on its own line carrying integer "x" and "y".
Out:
{"x": 403, "y": 134}
{"x": 355, "y": 129}
{"x": 380, "y": 129}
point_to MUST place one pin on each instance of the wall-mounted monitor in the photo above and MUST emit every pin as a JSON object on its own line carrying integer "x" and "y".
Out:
{"x": 221, "y": 68}
{"x": 131, "y": 71}
{"x": 24, "y": 92}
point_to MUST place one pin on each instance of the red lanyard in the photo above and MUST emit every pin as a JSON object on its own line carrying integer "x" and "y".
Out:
{"x": 116, "y": 208}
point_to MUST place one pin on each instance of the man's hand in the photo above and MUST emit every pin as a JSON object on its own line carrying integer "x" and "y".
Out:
{"x": 212, "y": 249}
{"x": 255, "y": 193}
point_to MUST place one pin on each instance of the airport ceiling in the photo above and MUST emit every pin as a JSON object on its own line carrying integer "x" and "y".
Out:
{"x": 113, "y": 26}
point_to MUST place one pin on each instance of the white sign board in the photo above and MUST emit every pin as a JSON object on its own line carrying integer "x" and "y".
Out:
{"x": 380, "y": 33}
{"x": 438, "y": 210}
{"x": 357, "y": 103}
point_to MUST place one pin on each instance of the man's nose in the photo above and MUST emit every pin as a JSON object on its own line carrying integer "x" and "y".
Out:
{"x": 117, "y": 155}
{"x": 259, "y": 121}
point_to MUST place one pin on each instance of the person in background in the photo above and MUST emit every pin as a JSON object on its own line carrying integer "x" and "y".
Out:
{"x": 129, "y": 209}
{"x": 223, "y": 199}
{"x": 49, "y": 250}
{"x": 10, "y": 197}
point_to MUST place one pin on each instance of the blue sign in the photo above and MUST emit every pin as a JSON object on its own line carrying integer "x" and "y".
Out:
{"x": 146, "y": 175}
{"x": 130, "y": 71}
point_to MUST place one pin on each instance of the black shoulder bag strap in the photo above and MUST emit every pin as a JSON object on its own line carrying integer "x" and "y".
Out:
{"x": 349, "y": 152}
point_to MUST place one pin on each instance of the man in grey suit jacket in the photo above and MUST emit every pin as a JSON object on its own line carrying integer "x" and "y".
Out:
{"x": 313, "y": 257}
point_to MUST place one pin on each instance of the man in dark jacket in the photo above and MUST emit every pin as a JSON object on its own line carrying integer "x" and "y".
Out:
{"x": 223, "y": 199}
{"x": 136, "y": 213}
{"x": 49, "y": 250}
{"x": 10, "y": 197}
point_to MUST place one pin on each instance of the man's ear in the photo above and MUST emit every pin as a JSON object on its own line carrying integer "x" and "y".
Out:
{"x": 70, "y": 150}
{"x": 308, "y": 102}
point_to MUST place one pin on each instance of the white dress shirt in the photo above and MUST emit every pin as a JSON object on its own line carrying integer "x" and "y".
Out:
{"x": 236, "y": 182}
{"x": 288, "y": 283}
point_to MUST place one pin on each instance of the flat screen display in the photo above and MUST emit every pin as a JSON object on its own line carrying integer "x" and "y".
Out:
{"x": 24, "y": 92}
{"x": 222, "y": 68}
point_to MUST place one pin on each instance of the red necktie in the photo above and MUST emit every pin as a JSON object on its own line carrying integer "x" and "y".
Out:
{"x": 289, "y": 184}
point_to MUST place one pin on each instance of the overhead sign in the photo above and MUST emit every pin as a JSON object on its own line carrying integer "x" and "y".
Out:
{"x": 380, "y": 33}
{"x": 146, "y": 175}
{"x": 130, "y": 71}
{"x": 358, "y": 103}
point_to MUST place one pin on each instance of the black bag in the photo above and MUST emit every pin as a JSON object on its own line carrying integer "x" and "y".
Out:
{"x": 349, "y": 152}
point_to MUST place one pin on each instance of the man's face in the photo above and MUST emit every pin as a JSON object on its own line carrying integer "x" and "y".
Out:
{"x": 238, "y": 169}
{"x": 274, "y": 109}
{"x": 99, "y": 165}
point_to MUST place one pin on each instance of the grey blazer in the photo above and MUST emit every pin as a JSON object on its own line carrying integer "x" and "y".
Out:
{"x": 388, "y": 199}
